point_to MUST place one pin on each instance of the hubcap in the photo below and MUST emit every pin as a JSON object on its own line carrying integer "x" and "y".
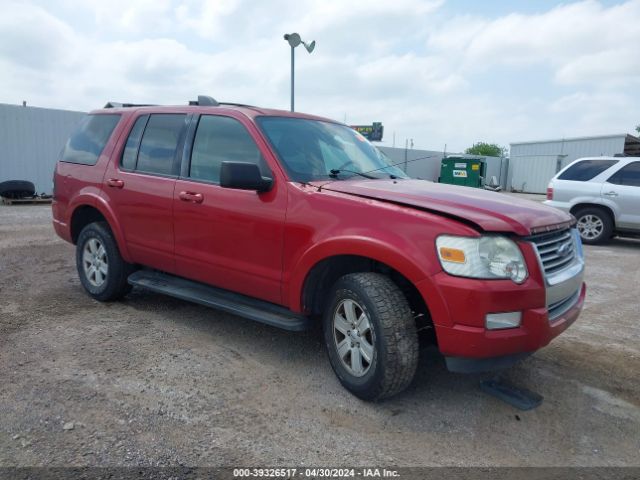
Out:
{"x": 590, "y": 226}
{"x": 354, "y": 337}
{"x": 94, "y": 262}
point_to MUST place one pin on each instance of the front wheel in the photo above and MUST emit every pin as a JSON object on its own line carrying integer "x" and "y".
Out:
{"x": 103, "y": 273}
{"x": 370, "y": 336}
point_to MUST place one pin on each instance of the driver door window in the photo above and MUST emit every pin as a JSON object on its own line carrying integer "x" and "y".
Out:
{"x": 220, "y": 139}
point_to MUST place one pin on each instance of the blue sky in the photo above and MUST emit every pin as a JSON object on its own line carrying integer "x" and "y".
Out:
{"x": 437, "y": 71}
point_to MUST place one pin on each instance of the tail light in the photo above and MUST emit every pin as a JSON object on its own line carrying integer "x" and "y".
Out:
{"x": 549, "y": 193}
{"x": 53, "y": 181}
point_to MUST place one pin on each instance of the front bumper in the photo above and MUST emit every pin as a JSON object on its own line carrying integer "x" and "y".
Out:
{"x": 535, "y": 332}
{"x": 478, "y": 365}
{"x": 489, "y": 350}
{"x": 549, "y": 304}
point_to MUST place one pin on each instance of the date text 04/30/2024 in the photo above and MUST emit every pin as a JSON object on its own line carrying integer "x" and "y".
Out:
{"x": 315, "y": 473}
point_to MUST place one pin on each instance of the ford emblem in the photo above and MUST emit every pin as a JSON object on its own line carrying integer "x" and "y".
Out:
{"x": 563, "y": 250}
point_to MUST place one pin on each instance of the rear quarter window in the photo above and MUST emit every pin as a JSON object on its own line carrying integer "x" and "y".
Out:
{"x": 86, "y": 144}
{"x": 586, "y": 170}
{"x": 628, "y": 175}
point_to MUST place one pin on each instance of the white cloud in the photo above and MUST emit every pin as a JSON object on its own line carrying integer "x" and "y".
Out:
{"x": 584, "y": 42}
{"x": 31, "y": 37}
{"x": 409, "y": 63}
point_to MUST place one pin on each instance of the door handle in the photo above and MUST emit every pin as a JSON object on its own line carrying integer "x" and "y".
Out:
{"x": 611, "y": 194}
{"x": 114, "y": 182}
{"x": 191, "y": 197}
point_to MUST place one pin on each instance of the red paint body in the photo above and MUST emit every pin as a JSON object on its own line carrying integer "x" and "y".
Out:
{"x": 265, "y": 244}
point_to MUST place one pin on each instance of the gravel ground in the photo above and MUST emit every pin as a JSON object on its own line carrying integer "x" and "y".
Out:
{"x": 157, "y": 381}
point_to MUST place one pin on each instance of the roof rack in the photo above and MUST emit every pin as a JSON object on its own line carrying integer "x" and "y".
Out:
{"x": 204, "y": 101}
{"x": 127, "y": 105}
{"x": 238, "y": 104}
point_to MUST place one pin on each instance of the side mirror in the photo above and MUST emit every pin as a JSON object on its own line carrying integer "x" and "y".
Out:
{"x": 244, "y": 176}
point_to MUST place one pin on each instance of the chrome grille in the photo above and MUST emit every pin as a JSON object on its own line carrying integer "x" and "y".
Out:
{"x": 557, "y": 250}
{"x": 564, "y": 305}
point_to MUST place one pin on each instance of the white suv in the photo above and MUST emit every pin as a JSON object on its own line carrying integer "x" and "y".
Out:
{"x": 603, "y": 193}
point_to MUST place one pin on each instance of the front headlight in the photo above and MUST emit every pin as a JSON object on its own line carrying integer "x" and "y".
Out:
{"x": 488, "y": 257}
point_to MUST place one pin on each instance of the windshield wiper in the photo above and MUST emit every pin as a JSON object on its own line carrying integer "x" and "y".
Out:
{"x": 335, "y": 172}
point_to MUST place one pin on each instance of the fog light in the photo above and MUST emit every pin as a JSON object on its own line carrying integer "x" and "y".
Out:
{"x": 497, "y": 321}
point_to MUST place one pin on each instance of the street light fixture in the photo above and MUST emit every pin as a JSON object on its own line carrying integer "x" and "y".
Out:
{"x": 295, "y": 40}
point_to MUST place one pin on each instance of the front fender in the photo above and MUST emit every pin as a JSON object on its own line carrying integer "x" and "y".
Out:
{"x": 404, "y": 260}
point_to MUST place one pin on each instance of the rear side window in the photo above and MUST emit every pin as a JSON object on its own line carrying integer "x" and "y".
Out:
{"x": 628, "y": 175}
{"x": 86, "y": 144}
{"x": 586, "y": 170}
{"x": 220, "y": 139}
{"x": 159, "y": 143}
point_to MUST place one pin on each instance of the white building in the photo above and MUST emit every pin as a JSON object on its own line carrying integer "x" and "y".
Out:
{"x": 31, "y": 139}
{"x": 533, "y": 164}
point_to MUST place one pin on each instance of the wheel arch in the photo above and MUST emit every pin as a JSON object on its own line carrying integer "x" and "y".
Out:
{"x": 606, "y": 208}
{"x": 317, "y": 270}
{"x": 98, "y": 210}
{"x": 323, "y": 275}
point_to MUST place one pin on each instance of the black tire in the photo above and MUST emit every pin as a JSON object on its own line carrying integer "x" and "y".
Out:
{"x": 393, "y": 335}
{"x": 114, "y": 285}
{"x": 583, "y": 217}
{"x": 17, "y": 189}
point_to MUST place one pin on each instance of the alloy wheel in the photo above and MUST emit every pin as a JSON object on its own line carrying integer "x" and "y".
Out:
{"x": 95, "y": 262}
{"x": 590, "y": 226}
{"x": 354, "y": 337}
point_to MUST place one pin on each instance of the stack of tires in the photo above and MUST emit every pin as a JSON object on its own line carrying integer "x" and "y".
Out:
{"x": 16, "y": 189}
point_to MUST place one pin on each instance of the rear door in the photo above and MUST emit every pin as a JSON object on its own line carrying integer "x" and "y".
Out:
{"x": 581, "y": 182}
{"x": 623, "y": 189}
{"x": 139, "y": 186}
{"x": 229, "y": 238}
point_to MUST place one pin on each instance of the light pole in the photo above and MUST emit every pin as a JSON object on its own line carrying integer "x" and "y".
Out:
{"x": 295, "y": 40}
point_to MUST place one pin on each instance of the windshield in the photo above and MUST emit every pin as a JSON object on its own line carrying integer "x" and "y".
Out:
{"x": 315, "y": 150}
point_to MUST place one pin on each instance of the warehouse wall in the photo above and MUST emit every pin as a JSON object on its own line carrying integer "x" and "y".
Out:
{"x": 533, "y": 164}
{"x": 425, "y": 164}
{"x": 30, "y": 140}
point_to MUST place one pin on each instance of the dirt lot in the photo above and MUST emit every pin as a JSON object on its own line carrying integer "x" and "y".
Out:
{"x": 157, "y": 381}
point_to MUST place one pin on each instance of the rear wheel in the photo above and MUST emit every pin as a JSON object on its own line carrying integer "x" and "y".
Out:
{"x": 370, "y": 336}
{"x": 103, "y": 273}
{"x": 594, "y": 225}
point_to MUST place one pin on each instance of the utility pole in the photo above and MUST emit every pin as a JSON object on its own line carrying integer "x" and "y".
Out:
{"x": 295, "y": 40}
{"x": 293, "y": 76}
{"x": 406, "y": 148}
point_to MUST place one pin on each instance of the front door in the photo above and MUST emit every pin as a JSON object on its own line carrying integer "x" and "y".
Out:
{"x": 623, "y": 188}
{"x": 228, "y": 238}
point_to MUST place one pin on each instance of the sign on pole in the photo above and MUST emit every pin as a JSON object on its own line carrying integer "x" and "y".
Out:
{"x": 371, "y": 132}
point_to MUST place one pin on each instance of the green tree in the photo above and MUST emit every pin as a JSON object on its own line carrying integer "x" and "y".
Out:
{"x": 638, "y": 129}
{"x": 486, "y": 149}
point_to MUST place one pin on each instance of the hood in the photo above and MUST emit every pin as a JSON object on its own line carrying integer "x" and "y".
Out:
{"x": 488, "y": 211}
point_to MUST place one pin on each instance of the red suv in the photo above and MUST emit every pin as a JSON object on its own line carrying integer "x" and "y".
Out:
{"x": 286, "y": 218}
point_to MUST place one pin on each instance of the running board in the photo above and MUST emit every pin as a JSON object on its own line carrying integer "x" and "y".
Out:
{"x": 241, "y": 305}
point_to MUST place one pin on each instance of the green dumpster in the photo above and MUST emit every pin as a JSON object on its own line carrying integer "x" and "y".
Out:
{"x": 468, "y": 172}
